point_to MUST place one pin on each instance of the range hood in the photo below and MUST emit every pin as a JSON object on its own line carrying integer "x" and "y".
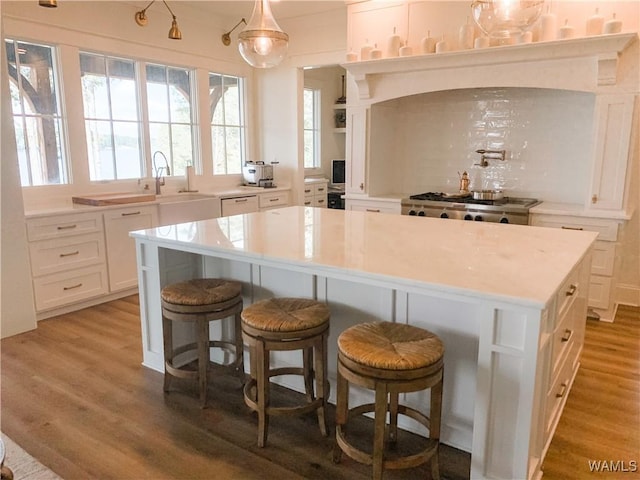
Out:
{"x": 590, "y": 64}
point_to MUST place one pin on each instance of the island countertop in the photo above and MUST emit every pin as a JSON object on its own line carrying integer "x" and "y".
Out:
{"x": 508, "y": 263}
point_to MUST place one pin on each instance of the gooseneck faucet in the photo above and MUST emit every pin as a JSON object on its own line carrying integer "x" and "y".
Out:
{"x": 158, "y": 170}
{"x": 490, "y": 155}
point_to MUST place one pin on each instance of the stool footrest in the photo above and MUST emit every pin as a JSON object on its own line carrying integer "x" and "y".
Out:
{"x": 401, "y": 462}
{"x": 252, "y": 403}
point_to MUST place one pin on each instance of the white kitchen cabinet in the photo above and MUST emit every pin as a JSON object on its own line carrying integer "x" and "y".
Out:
{"x": 357, "y": 148}
{"x": 67, "y": 256}
{"x": 376, "y": 206}
{"x": 315, "y": 192}
{"x": 612, "y": 132}
{"x": 601, "y": 289}
{"x": 268, "y": 201}
{"x": 239, "y": 205}
{"x": 121, "y": 249}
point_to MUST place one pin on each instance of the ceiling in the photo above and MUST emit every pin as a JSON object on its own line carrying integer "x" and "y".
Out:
{"x": 243, "y": 8}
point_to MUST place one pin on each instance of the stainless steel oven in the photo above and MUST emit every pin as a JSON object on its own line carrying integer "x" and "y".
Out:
{"x": 439, "y": 205}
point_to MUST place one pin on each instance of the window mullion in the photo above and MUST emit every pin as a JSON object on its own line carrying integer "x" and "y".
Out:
{"x": 143, "y": 113}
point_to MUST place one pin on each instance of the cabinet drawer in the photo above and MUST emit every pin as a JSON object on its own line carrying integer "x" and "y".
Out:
{"x": 63, "y": 225}
{"x": 557, "y": 395}
{"x": 604, "y": 254}
{"x": 320, "y": 201}
{"x": 276, "y": 199}
{"x": 308, "y": 200}
{"x": 373, "y": 206}
{"x": 68, "y": 287}
{"x": 320, "y": 189}
{"x": 606, "y": 229}
{"x": 308, "y": 190}
{"x": 599, "y": 291}
{"x": 562, "y": 341}
{"x": 567, "y": 294}
{"x": 59, "y": 254}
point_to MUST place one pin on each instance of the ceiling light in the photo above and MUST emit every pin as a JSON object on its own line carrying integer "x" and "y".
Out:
{"x": 262, "y": 43}
{"x": 141, "y": 19}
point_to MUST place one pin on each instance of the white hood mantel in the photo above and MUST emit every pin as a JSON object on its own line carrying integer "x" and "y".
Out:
{"x": 590, "y": 64}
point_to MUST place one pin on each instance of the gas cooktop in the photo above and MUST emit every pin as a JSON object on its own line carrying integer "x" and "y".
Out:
{"x": 468, "y": 198}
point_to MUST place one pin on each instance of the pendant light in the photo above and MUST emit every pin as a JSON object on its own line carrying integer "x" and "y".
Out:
{"x": 262, "y": 43}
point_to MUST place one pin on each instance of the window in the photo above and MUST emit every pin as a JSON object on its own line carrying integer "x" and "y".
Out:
{"x": 227, "y": 123}
{"x": 112, "y": 122}
{"x": 37, "y": 115}
{"x": 171, "y": 119}
{"x": 311, "y": 122}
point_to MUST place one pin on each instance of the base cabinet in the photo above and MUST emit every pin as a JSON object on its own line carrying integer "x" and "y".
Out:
{"x": 121, "y": 256}
{"x": 68, "y": 259}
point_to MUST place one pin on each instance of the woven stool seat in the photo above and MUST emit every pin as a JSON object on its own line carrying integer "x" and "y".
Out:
{"x": 201, "y": 291}
{"x": 200, "y": 301}
{"x": 390, "y": 346}
{"x": 286, "y": 324}
{"x": 391, "y": 359}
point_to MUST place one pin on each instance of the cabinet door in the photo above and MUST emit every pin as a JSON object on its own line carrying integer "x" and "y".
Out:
{"x": 357, "y": 149}
{"x": 121, "y": 248}
{"x": 614, "y": 116}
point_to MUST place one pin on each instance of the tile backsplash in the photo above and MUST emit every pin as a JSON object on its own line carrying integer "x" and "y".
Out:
{"x": 422, "y": 142}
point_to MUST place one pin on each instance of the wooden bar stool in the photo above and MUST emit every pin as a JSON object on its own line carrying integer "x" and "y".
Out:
{"x": 389, "y": 358}
{"x": 200, "y": 300}
{"x": 286, "y": 324}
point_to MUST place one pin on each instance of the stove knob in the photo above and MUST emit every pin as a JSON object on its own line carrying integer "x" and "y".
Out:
{"x": 412, "y": 212}
{"x": 478, "y": 218}
{"x": 444, "y": 215}
{"x": 504, "y": 220}
{"x": 468, "y": 217}
{"x": 421, "y": 213}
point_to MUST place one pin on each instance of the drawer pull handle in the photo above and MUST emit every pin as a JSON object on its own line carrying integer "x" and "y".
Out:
{"x": 376, "y": 210}
{"x": 67, "y": 227}
{"x": 241, "y": 200}
{"x": 321, "y": 189}
{"x": 307, "y": 191}
{"x": 78, "y": 285}
{"x": 321, "y": 200}
{"x": 62, "y": 255}
{"x": 572, "y": 290}
{"x": 130, "y": 213}
{"x": 567, "y": 335}
{"x": 307, "y": 203}
{"x": 572, "y": 228}
{"x": 274, "y": 199}
{"x": 563, "y": 390}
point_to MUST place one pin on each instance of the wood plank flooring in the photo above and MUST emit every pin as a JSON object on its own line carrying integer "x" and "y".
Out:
{"x": 74, "y": 395}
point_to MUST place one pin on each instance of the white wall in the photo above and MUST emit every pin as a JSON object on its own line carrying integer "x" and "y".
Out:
{"x": 17, "y": 313}
{"x": 431, "y": 137}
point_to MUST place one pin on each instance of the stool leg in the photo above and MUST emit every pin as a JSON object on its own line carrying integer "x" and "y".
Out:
{"x": 378, "y": 435}
{"x": 307, "y": 369}
{"x": 393, "y": 418}
{"x": 434, "y": 426}
{"x": 239, "y": 346}
{"x": 262, "y": 382}
{"x": 167, "y": 341}
{"x": 203, "y": 359}
{"x": 342, "y": 411}
{"x": 320, "y": 357}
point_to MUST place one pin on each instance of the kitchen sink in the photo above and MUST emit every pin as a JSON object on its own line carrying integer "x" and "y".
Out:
{"x": 186, "y": 207}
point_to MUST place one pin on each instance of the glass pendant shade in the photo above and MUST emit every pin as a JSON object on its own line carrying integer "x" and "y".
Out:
{"x": 262, "y": 43}
{"x": 502, "y": 20}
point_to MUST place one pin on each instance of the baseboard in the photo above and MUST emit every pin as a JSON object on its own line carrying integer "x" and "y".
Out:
{"x": 627, "y": 295}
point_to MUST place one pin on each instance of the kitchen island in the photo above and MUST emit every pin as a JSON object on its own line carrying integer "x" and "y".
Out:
{"x": 508, "y": 301}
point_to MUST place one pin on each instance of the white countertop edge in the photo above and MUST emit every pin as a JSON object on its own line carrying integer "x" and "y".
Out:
{"x": 349, "y": 274}
{"x": 578, "y": 210}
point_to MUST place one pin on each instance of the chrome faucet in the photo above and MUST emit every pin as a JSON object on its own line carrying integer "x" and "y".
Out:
{"x": 158, "y": 171}
{"x": 490, "y": 155}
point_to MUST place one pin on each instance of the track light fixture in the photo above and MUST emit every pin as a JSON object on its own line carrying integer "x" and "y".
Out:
{"x": 262, "y": 43}
{"x": 142, "y": 20}
{"x": 48, "y": 3}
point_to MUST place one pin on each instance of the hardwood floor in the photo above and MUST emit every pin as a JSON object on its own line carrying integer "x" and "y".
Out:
{"x": 75, "y": 396}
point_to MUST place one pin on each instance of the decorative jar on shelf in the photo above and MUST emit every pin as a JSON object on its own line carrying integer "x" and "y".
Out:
{"x": 504, "y": 21}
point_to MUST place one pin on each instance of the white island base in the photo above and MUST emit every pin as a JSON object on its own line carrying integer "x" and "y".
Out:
{"x": 509, "y": 303}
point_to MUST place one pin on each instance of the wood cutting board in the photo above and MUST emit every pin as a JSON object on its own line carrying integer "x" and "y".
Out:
{"x": 113, "y": 199}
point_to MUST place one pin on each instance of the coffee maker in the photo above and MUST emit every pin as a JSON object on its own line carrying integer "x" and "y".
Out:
{"x": 258, "y": 174}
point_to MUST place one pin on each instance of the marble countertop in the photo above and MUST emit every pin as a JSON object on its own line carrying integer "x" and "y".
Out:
{"x": 510, "y": 263}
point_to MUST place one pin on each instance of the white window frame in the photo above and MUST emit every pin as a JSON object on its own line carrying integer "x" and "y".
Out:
{"x": 315, "y": 129}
